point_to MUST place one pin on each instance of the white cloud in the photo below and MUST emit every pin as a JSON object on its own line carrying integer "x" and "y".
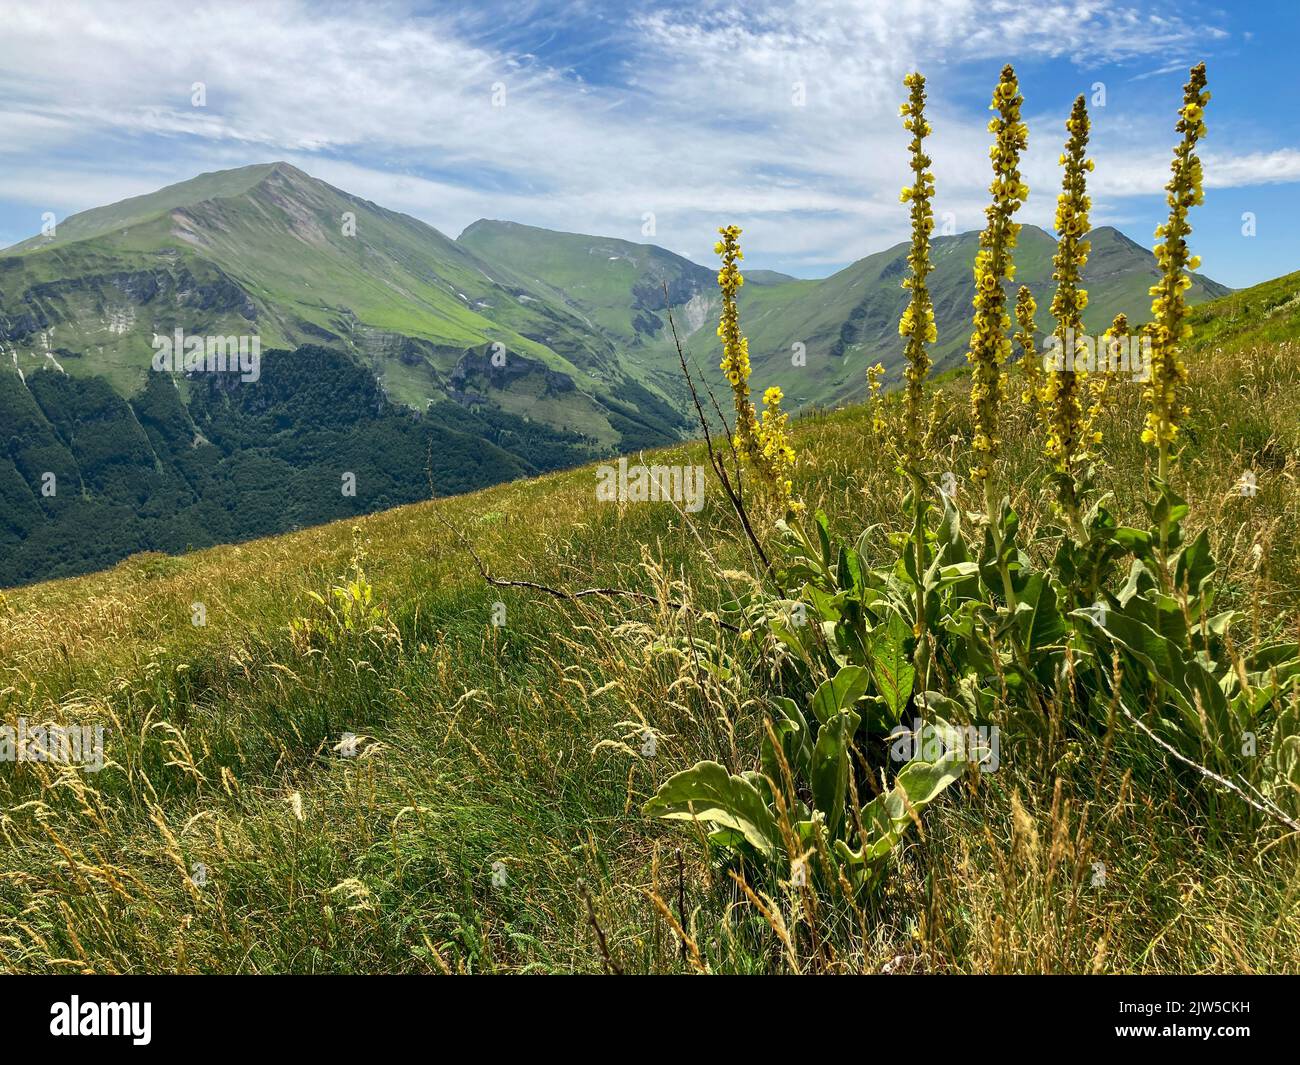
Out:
{"x": 697, "y": 124}
{"x": 1257, "y": 168}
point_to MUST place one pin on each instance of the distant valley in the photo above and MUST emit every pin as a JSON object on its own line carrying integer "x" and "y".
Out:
{"x": 391, "y": 353}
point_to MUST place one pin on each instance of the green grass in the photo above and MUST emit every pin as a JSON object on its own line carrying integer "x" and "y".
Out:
{"x": 116, "y": 217}
{"x": 522, "y": 744}
{"x": 599, "y": 276}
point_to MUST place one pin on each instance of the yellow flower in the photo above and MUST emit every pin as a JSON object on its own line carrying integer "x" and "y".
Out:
{"x": 993, "y": 266}
{"x": 778, "y": 455}
{"x": 1066, "y": 421}
{"x": 875, "y": 375}
{"x": 764, "y": 446}
{"x": 1099, "y": 383}
{"x": 735, "y": 349}
{"x": 1168, "y": 326}
{"x": 917, "y": 325}
{"x": 1026, "y": 308}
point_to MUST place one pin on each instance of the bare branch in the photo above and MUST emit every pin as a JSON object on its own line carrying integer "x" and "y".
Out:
{"x": 1270, "y": 810}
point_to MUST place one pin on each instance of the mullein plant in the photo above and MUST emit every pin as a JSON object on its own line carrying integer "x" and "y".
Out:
{"x": 1064, "y": 396}
{"x": 1072, "y": 396}
{"x": 989, "y": 342}
{"x": 917, "y": 323}
{"x": 875, "y": 384}
{"x": 764, "y": 446}
{"x": 1168, "y": 327}
{"x": 1068, "y": 645}
{"x": 917, "y": 329}
{"x": 735, "y": 348}
{"x": 1161, "y": 652}
{"x": 1026, "y": 308}
{"x": 776, "y": 448}
{"x": 1099, "y": 384}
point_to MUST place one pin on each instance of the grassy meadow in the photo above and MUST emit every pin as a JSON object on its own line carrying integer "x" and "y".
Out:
{"x": 489, "y": 817}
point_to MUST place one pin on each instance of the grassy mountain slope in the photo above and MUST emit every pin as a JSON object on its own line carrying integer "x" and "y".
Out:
{"x": 268, "y": 249}
{"x": 615, "y": 284}
{"x": 521, "y": 744}
{"x": 588, "y": 366}
{"x": 845, "y": 322}
{"x": 100, "y": 221}
{"x": 583, "y": 319}
{"x": 472, "y": 374}
{"x": 849, "y": 321}
{"x": 162, "y": 471}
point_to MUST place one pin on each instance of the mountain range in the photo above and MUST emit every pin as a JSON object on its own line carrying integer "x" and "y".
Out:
{"x": 394, "y": 356}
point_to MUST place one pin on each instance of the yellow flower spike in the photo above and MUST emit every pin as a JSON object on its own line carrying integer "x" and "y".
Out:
{"x": 917, "y": 328}
{"x": 992, "y": 267}
{"x": 1026, "y": 308}
{"x": 1099, "y": 384}
{"x": 763, "y": 445}
{"x": 1168, "y": 326}
{"x": 917, "y": 323}
{"x": 777, "y": 451}
{"x": 735, "y": 351}
{"x": 875, "y": 383}
{"x": 1066, "y": 420}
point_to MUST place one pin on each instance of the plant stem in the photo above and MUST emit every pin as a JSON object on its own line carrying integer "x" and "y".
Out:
{"x": 995, "y": 532}
{"x": 918, "y": 543}
{"x": 1162, "y": 473}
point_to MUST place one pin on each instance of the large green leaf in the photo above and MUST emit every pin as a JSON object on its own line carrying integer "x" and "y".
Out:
{"x": 823, "y": 526}
{"x": 796, "y": 742}
{"x": 891, "y": 667}
{"x": 830, "y": 768}
{"x": 923, "y": 781}
{"x": 950, "y": 536}
{"x": 1181, "y": 680}
{"x": 706, "y": 792}
{"x": 1273, "y": 664}
{"x": 1195, "y": 565}
{"x": 840, "y": 692}
{"x": 886, "y": 817}
{"x": 1039, "y": 618}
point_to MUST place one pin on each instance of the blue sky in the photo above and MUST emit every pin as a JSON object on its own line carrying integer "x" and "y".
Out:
{"x": 590, "y": 117}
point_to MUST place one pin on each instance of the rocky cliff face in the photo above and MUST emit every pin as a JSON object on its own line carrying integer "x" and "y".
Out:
{"x": 120, "y": 297}
{"x": 500, "y": 369}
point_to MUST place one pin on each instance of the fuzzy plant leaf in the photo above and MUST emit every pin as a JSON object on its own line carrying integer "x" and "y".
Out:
{"x": 886, "y": 817}
{"x": 792, "y": 731}
{"x": 830, "y": 768}
{"x": 707, "y": 792}
{"x": 891, "y": 665}
{"x": 840, "y": 692}
{"x": 1039, "y": 617}
{"x": 1186, "y": 685}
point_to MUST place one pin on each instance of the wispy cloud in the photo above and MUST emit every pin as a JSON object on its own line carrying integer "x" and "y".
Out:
{"x": 1176, "y": 67}
{"x": 781, "y": 116}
